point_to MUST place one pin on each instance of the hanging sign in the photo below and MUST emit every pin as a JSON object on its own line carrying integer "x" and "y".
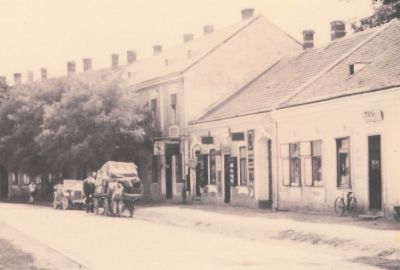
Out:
{"x": 250, "y": 154}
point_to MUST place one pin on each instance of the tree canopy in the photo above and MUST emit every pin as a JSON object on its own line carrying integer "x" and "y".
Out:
{"x": 384, "y": 11}
{"x": 74, "y": 123}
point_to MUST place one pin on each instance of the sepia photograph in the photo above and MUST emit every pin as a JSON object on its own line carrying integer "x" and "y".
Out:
{"x": 199, "y": 134}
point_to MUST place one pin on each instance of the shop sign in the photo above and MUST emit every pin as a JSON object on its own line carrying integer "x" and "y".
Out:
{"x": 159, "y": 148}
{"x": 250, "y": 154}
{"x": 373, "y": 116}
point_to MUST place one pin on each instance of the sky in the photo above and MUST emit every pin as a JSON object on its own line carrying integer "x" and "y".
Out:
{"x": 48, "y": 33}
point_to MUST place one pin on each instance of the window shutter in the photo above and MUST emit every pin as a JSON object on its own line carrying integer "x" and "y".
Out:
{"x": 285, "y": 172}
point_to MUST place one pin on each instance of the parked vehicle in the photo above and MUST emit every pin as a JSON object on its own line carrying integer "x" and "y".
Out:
{"x": 346, "y": 203}
{"x": 108, "y": 177}
{"x": 69, "y": 194}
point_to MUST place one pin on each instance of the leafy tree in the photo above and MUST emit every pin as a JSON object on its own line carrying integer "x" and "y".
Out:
{"x": 384, "y": 11}
{"x": 71, "y": 125}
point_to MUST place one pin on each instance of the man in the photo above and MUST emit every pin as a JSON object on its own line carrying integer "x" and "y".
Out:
{"x": 88, "y": 189}
{"x": 117, "y": 198}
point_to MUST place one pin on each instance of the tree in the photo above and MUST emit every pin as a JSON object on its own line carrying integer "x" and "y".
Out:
{"x": 71, "y": 125}
{"x": 384, "y": 11}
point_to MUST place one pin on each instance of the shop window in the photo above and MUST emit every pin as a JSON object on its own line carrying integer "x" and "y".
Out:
{"x": 243, "y": 165}
{"x": 154, "y": 111}
{"x": 295, "y": 164}
{"x": 343, "y": 162}
{"x": 173, "y": 110}
{"x": 213, "y": 167}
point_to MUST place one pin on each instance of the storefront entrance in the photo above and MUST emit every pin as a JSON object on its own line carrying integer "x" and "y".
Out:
{"x": 168, "y": 176}
{"x": 375, "y": 173}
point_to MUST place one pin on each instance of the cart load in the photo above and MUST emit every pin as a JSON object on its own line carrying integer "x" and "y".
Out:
{"x": 117, "y": 183}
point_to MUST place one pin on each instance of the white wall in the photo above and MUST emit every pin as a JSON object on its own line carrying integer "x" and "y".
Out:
{"x": 233, "y": 64}
{"x": 340, "y": 118}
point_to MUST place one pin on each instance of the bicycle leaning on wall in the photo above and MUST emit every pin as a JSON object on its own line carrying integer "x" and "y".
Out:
{"x": 346, "y": 202}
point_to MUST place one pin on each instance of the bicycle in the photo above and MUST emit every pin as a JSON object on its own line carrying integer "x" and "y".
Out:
{"x": 348, "y": 202}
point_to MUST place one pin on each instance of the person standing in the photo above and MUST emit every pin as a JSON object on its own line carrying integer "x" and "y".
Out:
{"x": 32, "y": 191}
{"x": 117, "y": 198}
{"x": 88, "y": 189}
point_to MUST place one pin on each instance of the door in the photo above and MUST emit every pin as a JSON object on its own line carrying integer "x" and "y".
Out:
{"x": 168, "y": 176}
{"x": 375, "y": 172}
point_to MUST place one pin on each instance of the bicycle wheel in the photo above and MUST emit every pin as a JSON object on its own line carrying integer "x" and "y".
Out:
{"x": 339, "y": 206}
{"x": 352, "y": 207}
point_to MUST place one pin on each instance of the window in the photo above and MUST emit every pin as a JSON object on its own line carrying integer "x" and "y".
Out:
{"x": 173, "y": 116}
{"x": 213, "y": 167}
{"x": 153, "y": 109}
{"x": 343, "y": 162}
{"x": 295, "y": 169}
{"x": 243, "y": 165}
{"x": 316, "y": 163}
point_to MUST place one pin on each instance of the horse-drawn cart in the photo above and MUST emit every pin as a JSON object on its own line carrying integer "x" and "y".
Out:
{"x": 117, "y": 178}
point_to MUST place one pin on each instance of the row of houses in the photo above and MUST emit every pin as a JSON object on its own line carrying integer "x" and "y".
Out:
{"x": 249, "y": 116}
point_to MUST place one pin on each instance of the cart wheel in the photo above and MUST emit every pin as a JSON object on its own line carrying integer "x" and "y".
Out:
{"x": 106, "y": 207}
{"x": 64, "y": 203}
{"x": 96, "y": 206}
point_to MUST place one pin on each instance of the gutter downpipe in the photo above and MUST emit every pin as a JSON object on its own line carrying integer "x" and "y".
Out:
{"x": 275, "y": 203}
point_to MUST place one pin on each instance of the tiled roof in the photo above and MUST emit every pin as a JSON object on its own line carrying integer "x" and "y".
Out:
{"x": 177, "y": 60}
{"x": 321, "y": 71}
{"x": 380, "y": 67}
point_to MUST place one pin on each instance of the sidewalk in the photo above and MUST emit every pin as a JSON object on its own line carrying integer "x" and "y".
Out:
{"x": 19, "y": 251}
{"x": 375, "y": 238}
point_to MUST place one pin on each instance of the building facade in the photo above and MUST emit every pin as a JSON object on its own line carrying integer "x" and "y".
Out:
{"x": 181, "y": 83}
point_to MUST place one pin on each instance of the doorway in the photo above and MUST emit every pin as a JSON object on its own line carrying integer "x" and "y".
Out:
{"x": 375, "y": 172}
{"x": 168, "y": 176}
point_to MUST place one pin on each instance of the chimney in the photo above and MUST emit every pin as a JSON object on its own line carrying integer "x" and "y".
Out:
{"x": 188, "y": 37}
{"x": 308, "y": 39}
{"x": 338, "y": 29}
{"x": 247, "y": 13}
{"x": 208, "y": 29}
{"x": 157, "y": 49}
{"x": 29, "y": 76}
{"x": 71, "y": 68}
{"x": 87, "y": 64}
{"x": 114, "y": 60}
{"x": 131, "y": 56}
{"x": 43, "y": 73}
{"x": 17, "y": 78}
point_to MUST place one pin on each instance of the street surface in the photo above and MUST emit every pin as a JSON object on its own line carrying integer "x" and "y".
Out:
{"x": 99, "y": 242}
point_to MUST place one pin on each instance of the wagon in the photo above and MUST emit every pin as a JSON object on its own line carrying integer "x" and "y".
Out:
{"x": 69, "y": 194}
{"x": 108, "y": 176}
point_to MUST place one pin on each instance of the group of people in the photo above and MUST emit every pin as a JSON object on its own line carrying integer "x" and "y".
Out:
{"x": 116, "y": 190}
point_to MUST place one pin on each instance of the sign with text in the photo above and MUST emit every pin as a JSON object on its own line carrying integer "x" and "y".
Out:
{"x": 250, "y": 154}
{"x": 373, "y": 116}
